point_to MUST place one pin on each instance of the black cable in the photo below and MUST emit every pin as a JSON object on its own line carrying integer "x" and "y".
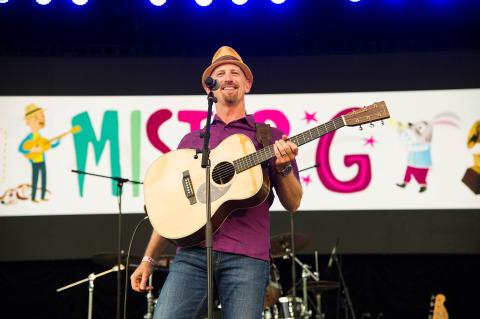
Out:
{"x": 126, "y": 266}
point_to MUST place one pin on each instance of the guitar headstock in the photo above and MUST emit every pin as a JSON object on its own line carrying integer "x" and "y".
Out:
{"x": 368, "y": 114}
{"x": 437, "y": 307}
{"x": 76, "y": 129}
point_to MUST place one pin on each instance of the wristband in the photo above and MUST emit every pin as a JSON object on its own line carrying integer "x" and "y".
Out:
{"x": 149, "y": 260}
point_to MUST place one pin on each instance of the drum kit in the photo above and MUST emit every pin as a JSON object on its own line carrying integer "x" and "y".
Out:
{"x": 290, "y": 306}
{"x": 276, "y": 304}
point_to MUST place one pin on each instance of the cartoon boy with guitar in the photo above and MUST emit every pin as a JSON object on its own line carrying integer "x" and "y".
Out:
{"x": 34, "y": 146}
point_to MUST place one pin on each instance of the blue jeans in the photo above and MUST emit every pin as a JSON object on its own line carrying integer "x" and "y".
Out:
{"x": 39, "y": 169}
{"x": 239, "y": 281}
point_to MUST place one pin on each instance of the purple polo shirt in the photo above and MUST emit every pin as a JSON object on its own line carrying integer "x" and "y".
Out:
{"x": 245, "y": 231}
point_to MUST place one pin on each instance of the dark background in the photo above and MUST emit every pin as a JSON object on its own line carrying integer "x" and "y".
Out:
{"x": 393, "y": 260}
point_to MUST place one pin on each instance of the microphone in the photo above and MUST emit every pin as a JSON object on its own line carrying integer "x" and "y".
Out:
{"x": 212, "y": 84}
{"x": 332, "y": 254}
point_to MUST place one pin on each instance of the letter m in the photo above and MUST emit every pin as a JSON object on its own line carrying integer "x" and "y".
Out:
{"x": 109, "y": 132}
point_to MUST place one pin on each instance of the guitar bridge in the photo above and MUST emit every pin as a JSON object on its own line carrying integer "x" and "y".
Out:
{"x": 188, "y": 187}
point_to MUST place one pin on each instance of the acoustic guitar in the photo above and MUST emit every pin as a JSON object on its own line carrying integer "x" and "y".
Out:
{"x": 44, "y": 143}
{"x": 175, "y": 190}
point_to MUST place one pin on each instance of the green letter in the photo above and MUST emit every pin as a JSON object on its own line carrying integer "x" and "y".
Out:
{"x": 87, "y": 135}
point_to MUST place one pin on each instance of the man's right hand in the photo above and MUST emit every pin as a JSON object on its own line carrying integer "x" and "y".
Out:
{"x": 140, "y": 276}
{"x": 36, "y": 149}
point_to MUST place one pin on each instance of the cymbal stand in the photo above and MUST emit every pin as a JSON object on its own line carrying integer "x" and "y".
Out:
{"x": 91, "y": 285}
{"x": 306, "y": 273}
{"x": 318, "y": 295}
{"x": 150, "y": 299}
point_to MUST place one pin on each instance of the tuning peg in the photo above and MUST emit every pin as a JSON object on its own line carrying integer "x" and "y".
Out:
{"x": 360, "y": 128}
{"x": 371, "y": 125}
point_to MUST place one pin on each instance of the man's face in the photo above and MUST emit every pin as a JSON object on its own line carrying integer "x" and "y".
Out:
{"x": 36, "y": 121}
{"x": 233, "y": 84}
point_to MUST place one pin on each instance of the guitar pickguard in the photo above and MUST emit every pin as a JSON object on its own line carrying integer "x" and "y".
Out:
{"x": 215, "y": 192}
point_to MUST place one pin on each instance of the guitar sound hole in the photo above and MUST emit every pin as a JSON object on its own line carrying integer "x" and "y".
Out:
{"x": 223, "y": 173}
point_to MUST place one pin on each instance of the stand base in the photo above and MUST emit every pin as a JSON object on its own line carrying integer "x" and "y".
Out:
{"x": 472, "y": 180}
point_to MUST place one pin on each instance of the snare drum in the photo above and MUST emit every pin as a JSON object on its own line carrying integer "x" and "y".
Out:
{"x": 286, "y": 309}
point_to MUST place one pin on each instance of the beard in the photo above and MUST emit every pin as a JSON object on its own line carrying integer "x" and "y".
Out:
{"x": 231, "y": 98}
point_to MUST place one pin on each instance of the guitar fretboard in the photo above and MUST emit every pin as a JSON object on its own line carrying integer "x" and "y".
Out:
{"x": 268, "y": 152}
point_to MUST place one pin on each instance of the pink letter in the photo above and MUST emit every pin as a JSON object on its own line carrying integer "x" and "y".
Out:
{"x": 280, "y": 120}
{"x": 154, "y": 122}
{"x": 356, "y": 184}
{"x": 195, "y": 118}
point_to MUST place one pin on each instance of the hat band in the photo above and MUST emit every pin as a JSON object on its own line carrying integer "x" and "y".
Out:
{"x": 225, "y": 58}
{"x": 32, "y": 111}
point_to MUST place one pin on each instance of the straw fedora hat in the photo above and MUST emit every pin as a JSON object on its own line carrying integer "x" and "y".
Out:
{"x": 226, "y": 55}
{"x": 32, "y": 108}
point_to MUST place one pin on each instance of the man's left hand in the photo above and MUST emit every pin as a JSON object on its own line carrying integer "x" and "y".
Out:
{"x": 285, "y": 152}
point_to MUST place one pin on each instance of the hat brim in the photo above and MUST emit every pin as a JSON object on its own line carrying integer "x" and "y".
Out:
{"x": 246, "y": 70}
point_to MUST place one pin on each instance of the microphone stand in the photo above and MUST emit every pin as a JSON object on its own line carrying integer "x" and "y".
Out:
{"x": 208, "y": 226}
{"x": 120, "y": 181}
{"x": 293, "y": 266}
{"x": 345, "y": 288}
{"x": 91, "y": 285}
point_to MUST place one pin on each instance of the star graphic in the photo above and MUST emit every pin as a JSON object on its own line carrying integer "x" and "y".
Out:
{"x": 310, "y": 117}
{"x": 370, "y": 141}
{"x": 306, "y": 180}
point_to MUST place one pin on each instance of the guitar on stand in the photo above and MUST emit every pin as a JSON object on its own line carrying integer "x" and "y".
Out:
{"x": 174, "y": 185}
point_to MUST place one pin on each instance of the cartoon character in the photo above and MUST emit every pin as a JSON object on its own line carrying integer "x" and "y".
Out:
{"x": 33, "y": 146}
{"x": 418, "y": 137}
{"x": 472, "y": 175}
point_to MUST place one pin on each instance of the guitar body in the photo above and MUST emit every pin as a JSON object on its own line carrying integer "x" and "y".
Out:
{"x": 41, "y": 142}
{"x": 175, "y": 192}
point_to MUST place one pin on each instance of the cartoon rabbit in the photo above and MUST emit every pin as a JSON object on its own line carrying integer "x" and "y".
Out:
{"x": 418, "y": 138}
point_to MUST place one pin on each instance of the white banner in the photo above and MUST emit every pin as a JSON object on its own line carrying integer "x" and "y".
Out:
{"x": 350, "y": 169}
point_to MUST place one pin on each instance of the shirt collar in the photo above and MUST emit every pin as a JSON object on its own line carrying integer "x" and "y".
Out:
{"x": 249, "y": 119}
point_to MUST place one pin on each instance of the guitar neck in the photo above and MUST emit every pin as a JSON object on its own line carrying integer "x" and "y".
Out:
{"x": 59, "y": 136}
{"x": 268, "y": 152}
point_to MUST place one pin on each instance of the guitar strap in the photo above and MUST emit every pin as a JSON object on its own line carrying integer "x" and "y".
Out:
{"x": 264, "y": 137}
{"x": 263, "y": 133}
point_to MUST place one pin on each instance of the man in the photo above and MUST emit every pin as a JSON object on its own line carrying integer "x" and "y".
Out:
{"x": 35, "y": 119}
{"x": 241, "y": 245}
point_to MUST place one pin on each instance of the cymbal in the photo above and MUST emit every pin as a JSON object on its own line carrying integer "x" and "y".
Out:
{"x": 321, "y": 286}
{"x": 283, "y": 241}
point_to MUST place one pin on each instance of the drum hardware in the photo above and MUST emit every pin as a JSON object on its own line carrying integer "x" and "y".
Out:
{"x": 91, "y": 285}
{"x": 306, "y": 274}
{"x": 318, "y": 296}
{"x": 290, "y": 309}
{"x": 273, "y": 290}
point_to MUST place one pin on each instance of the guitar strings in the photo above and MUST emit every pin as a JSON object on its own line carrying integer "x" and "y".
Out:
{"x": 318, "y": 130}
